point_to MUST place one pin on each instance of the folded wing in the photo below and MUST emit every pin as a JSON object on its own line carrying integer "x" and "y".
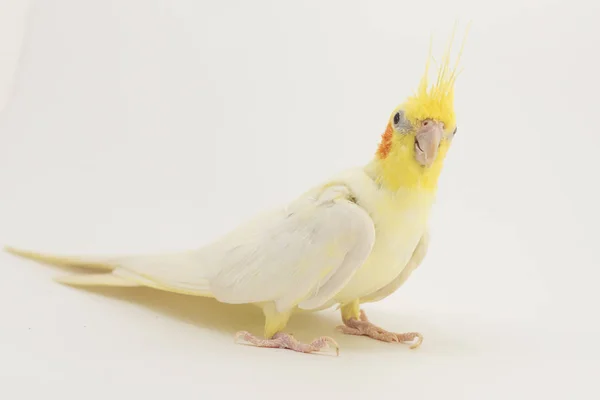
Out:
{"x": 302, "y": 255}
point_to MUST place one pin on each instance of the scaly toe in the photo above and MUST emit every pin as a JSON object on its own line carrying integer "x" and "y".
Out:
{"x": 384, "y": 336}
{"x": 287, "y": 341}
{"x": 249, "y": 338}
{"x": 409, "y": 337}
{"x": 363, "y": 316}
{"x": 244, "y": 335}
{"x": 348, "y": 330}
{"x": 325, "y": 342}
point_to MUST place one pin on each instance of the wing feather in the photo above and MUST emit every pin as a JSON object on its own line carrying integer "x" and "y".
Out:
{"x": 301, "y": 256}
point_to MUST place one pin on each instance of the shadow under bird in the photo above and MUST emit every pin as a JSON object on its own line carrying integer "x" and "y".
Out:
{"x": 354, "y": 239}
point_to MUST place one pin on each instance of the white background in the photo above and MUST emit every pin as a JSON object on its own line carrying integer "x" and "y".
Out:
{"x": 144, "y": 125}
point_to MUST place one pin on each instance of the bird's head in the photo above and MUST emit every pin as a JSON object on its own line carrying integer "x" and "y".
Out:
{"x": 419, "y": 133}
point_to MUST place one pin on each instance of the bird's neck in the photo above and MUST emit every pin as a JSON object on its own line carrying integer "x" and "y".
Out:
{"x": 396, "y": 175}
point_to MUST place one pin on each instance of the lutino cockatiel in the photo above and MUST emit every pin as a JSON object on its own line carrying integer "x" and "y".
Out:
{"x": 351, "y": 240}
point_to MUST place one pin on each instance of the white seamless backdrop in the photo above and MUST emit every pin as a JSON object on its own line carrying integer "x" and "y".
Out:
{"x": 138, "y": 125}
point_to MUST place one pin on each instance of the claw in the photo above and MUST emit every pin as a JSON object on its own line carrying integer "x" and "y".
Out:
{"x": 413, "y": 336}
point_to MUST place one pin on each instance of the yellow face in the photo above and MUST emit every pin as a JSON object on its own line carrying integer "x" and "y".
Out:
{"x": 419, "y": 133}
{"x": 411, "y": 154}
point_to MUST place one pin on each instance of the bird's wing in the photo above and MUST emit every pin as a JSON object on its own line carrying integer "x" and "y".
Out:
{"x": 300, "y": 256}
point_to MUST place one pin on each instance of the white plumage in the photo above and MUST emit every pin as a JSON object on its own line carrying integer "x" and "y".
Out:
{"x": 347, "y": 240}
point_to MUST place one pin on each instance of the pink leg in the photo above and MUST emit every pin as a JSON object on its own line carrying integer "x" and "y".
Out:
{"x": 363, "y": 327}
{"x": 286, "y": 341}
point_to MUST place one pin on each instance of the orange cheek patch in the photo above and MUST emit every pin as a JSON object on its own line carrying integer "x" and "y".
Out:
{"x": 386, "y": 142}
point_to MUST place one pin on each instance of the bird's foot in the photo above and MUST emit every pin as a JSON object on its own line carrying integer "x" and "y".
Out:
{"x": 362, "y": 327}
{"x": 286, "y": 341}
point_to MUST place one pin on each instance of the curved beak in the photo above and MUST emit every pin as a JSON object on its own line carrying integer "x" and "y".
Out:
{"x": 427, "y": 142}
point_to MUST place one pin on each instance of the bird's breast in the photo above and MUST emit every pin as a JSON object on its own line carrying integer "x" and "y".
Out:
{"x": 400, "y": 222}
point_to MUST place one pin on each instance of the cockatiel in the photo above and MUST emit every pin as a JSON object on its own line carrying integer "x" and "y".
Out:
{"x": 352, "y": 240}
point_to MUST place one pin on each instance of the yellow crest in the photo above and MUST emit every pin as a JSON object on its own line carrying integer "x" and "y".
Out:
{"x": 436, "y": 101}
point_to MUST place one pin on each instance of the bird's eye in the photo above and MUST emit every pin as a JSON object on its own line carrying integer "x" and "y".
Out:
{"x": 401, "y": 124}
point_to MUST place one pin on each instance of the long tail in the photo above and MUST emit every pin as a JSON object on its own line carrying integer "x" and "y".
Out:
{"x": 91, "y": 262}
{"x": 124, "y": 271}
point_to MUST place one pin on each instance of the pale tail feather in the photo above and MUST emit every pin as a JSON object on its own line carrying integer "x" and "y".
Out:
{"x": 91, "y": 262}
{"x": 124, "y": 271}
{"x": 107, "y": 279}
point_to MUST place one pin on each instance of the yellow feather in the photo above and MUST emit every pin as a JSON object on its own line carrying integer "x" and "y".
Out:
{"x": 274, "y": 321}
{"x": 436, "y": 101}
{"x": 398, "y": 168}
{"x": 351, "y": 310}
